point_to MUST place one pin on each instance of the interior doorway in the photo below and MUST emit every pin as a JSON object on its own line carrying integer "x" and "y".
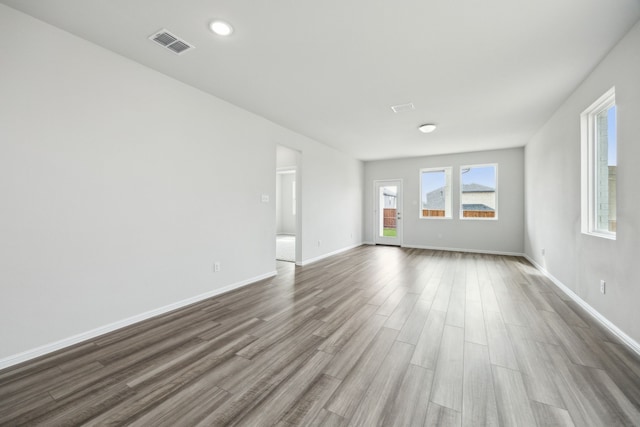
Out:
{"x": 286, "y": 214}
{"x": 287, "y": 205}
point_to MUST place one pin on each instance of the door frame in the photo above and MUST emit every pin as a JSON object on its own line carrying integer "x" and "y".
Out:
{"x": 397, "y": 241}
{"x": 298, "y": 171}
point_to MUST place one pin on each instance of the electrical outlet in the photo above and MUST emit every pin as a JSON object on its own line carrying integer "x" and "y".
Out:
{"x": 216, "y": 266}
{"x": 319, "y": 243}
{"x": 543, "y": 251}
{"x": 603, "y": 286}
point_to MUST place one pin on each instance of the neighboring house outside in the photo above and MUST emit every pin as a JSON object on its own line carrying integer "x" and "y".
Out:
{"x": 611, "y": 208}
{"x": 477, "y": 201}
{"x": 434, "y": 205}
{"x": 477, "y": 197}
{"x": 390, "y": 198}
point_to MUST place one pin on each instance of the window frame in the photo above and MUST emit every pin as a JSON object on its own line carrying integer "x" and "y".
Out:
{"x": 448, "y": 173}
{"x": 495, "y": 209}
{"x": 589, "y": 170}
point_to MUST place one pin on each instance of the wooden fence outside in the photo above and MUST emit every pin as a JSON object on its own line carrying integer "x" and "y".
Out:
{"x": 389, "y": 218}
{"x": 479, "y": 214}
{"x": 465, "y": 214}
{"x": 432, "y": 212}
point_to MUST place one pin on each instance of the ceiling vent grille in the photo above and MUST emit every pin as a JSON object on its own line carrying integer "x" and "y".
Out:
{"x": 165, "y": 39}
{"x": 403, "y": 107}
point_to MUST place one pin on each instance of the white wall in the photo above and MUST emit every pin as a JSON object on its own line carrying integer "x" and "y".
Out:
{"x": 330, "y": 187}
{"x": 287, "y": 158}
{"x": 120, "y": 187}
{"x": 504, "y": 235}
{"x": 552, "y": 161}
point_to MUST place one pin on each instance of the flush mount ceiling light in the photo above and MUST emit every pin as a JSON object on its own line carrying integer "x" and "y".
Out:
{"x": 427, "y": 128}
{"x": 221, "y": 28}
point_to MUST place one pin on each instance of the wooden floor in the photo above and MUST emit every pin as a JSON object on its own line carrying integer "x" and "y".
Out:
{"x": 374, "y": 336}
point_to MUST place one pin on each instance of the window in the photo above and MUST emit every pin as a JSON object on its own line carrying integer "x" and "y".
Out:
{"x": 479, "y": 192}
{"x": 435, "y": 193}
{"x": 599, "y": 167}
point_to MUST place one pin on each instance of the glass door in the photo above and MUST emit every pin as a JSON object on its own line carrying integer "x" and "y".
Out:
{"x": 388, "y": 212}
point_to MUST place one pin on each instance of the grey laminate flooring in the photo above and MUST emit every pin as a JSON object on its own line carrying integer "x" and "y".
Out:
{"x": 374, "y": 336}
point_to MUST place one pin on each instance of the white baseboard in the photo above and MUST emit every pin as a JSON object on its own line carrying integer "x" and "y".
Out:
{"x": 66, "y": 342}
{"x": 473, "y": 251}
{"x": 630, "y": 342}
{"x": 327, "y": 255}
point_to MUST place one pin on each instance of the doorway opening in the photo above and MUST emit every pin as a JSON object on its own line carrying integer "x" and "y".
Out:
{"x": 287, "y": 205}
{"x": 286, "y": 215}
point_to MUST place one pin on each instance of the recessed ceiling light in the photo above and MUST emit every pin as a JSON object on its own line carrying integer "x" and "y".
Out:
{"x": 427, "y": 128}
{"x": 221, "y": 28}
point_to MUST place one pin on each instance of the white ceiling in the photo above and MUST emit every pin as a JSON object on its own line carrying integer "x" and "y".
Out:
{"x": 488, "y": 72}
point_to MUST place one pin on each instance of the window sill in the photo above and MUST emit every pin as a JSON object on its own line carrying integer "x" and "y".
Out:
{"x": 608, "y": 236}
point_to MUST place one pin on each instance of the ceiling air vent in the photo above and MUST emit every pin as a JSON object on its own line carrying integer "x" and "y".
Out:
{"x": 403, "y": 107}
{"x": 165, "y": 39}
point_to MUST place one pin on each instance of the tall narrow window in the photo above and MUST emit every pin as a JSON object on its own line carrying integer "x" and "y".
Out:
{"x": 479, "y": 192}
{"x": 599, "y": 167}
{"x": 435, "y": 193}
